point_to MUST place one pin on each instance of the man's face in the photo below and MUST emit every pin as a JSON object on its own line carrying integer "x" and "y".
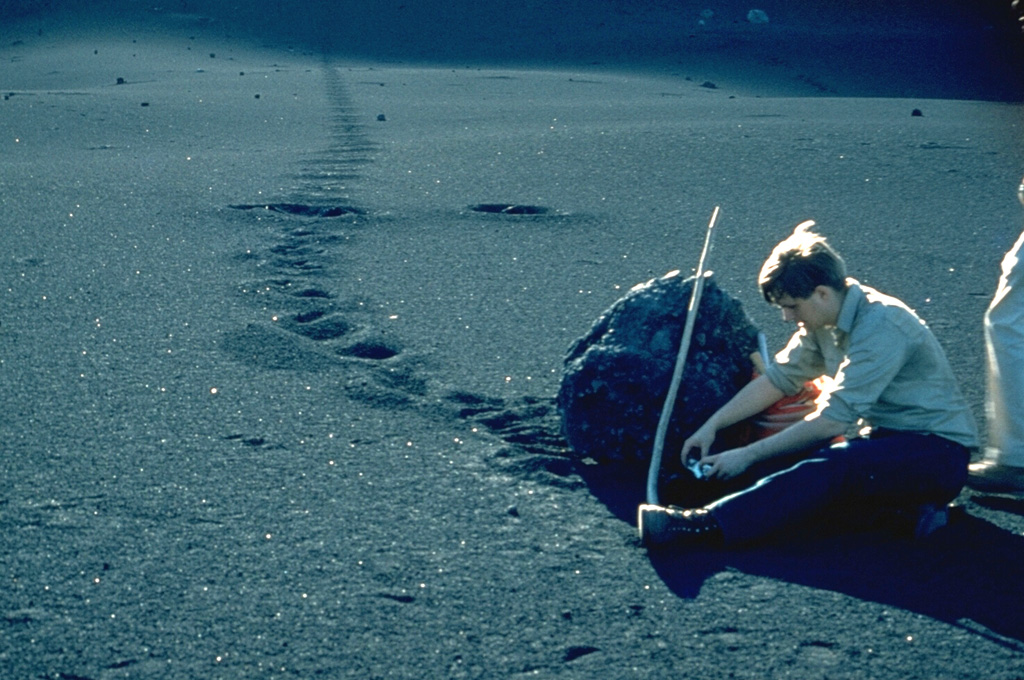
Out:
{"x": 813, "y": 313}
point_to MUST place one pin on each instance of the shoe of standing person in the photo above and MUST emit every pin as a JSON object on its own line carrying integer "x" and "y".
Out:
{"x": 994, "y": 478}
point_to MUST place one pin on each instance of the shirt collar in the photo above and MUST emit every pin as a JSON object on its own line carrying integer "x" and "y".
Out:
{"x": 848, "y": 311}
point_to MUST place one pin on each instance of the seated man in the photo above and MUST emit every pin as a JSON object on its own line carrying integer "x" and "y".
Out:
{"x": 888, "y": 373}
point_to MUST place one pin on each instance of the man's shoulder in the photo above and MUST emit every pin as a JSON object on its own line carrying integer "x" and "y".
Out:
{"x": 877, "y": 309}
{"x": 873, "y": 296}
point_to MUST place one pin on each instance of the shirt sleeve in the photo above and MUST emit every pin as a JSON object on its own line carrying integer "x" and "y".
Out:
{"x": 875, "y": 356}
{"x": 800, "y": 361}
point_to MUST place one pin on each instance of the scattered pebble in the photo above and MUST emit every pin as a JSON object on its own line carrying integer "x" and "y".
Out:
{"x": 710, "y": 85}
{"x": 381, "y": 117}
{"x": 916, "y": 113}
{"x": 757, "y": 16}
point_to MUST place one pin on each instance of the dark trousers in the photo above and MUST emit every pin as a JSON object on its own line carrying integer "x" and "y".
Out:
{"x": 890, "y": 470}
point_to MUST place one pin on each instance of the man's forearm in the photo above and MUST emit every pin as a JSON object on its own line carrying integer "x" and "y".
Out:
{"x": 796, "y": 437}
{"x": 756, "y": 396}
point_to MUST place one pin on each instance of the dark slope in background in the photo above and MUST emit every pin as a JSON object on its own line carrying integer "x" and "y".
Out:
{"x": 912, "y": 48}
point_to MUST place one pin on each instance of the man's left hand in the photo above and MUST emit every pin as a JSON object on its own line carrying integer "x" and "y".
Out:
{"x": 727, "y": 464}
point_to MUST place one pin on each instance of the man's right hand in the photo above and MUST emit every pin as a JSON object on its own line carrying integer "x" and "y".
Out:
{"x": 701, "y": 440}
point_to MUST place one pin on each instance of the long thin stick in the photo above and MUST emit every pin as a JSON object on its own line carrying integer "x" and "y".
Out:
{"x": 677, "y": 375}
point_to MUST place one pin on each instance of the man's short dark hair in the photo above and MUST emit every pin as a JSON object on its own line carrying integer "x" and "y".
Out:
{"x": 800, "y": 264}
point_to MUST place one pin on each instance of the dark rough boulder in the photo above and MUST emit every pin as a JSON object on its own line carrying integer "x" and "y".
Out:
{"x": 616, "y": 377}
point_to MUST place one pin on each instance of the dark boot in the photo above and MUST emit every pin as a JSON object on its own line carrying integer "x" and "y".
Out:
{"x": 672, "y": 525}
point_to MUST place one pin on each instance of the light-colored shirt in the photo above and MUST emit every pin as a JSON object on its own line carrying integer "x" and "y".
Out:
{"x": 887, "y": 369}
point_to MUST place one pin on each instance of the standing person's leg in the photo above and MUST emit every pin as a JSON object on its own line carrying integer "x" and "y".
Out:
{"x": 895, "y": 471}
{"x": 1003, "y": 466}
{"x": 1004, "y": 340}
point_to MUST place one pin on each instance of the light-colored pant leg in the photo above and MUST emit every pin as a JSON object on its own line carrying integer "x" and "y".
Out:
{"x": 1004, "y": 344}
